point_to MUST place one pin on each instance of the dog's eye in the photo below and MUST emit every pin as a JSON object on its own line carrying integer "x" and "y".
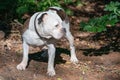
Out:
{"x": 57, "y": 25}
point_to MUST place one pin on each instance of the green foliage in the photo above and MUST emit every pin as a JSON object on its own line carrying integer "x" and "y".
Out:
{"x": 7, "y": 9}
{"x": 99, "y": 24}
{"x": 11, "y": 9}
{"x": 67, "y": 1}
{"x": 32, "y": 6}
{"x": 113, "y": 7}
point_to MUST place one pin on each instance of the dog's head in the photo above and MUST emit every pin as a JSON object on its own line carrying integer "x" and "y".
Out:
{"x": 51, "y": 24}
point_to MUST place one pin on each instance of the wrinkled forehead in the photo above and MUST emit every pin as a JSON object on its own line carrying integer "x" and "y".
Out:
{"x": 54, "y": 17}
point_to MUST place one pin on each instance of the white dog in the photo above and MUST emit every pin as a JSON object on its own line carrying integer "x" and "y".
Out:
{"x": 43, "y": 29}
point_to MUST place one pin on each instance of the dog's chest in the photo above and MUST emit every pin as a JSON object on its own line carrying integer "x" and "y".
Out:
{"x": 32, "y": 38}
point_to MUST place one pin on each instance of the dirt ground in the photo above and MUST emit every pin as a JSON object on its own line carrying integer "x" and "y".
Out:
{"x": 98, "y": 54}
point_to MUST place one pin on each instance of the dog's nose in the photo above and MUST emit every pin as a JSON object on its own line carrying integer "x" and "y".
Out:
{"x": 64, "y": 30}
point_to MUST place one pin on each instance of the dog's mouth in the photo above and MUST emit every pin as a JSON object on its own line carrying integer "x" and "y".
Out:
{"x": 58, "y": 35}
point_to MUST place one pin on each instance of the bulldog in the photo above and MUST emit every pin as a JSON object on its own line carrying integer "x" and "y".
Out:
{"x": 44, "y": 29}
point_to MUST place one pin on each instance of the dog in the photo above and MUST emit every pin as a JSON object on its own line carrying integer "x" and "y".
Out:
{"x": 43, "y": 30}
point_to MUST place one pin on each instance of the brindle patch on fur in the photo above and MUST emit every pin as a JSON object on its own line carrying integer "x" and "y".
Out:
{"x": 25, "y": 26}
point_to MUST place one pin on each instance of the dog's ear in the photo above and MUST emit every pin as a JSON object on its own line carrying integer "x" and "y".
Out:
{"x": 41, "y": 18}
{"x": 63, "y": 15}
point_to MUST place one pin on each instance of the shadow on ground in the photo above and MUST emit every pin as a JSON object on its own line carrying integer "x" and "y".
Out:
{"x": 111, "y": 36}
{"x": 42, "y": 56}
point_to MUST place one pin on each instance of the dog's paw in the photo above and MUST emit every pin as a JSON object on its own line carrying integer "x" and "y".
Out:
{"x": 74, "y": 60}
{"x": 51, "y": 73}
{"x": 21, "y": 66}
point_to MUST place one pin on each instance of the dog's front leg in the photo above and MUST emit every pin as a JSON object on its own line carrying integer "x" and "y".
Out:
{"x": 70, "y": 38}
{"x": 51, "y": 54}
{"x": 23, "y": 64}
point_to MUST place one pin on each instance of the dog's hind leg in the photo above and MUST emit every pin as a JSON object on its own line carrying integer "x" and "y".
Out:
{"x": 45, "y": 51}
{"x": 23, "y": 64}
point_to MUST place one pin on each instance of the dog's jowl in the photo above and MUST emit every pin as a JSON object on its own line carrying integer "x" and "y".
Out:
{"x": 43, "y": 29}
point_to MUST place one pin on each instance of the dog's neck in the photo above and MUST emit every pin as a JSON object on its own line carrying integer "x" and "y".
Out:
{"x": 42, "y": 33}
{"x": 39, "y": 30}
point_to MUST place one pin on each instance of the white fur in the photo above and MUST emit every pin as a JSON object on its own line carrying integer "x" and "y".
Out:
{"x": 47, "y": 30}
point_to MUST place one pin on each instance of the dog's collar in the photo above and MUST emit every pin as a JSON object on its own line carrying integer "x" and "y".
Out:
{"x": 43, "y": 38}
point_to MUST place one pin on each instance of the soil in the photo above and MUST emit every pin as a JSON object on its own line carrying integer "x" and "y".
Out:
{"x": 98, "y": 54}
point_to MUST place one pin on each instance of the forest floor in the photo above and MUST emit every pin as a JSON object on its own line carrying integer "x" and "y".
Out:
{"x": 98, "y": 53}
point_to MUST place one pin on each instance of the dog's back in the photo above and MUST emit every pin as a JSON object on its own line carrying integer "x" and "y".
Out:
{"x": 25, "y": 26}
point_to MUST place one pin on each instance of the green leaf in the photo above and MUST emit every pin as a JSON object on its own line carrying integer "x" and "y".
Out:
{"x": 99, "y": 24}
{"x": 112, "y": 6}
{"x": 69, "y": 12}
{"x": 22, "y": 9}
